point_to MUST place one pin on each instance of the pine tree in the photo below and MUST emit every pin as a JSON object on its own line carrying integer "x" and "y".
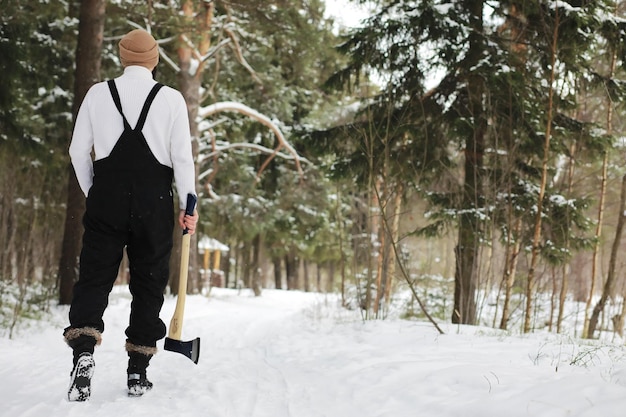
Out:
{"x": 36, "y": 55}
{"x": 490, "y": 105}
{"x": 88, "y": 60}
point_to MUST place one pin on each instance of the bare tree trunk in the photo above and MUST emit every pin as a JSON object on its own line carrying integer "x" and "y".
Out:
{"x": 510, "y": 270}
{"x": 291, "y": 268}
{"x": 562, "y": 296}
{"x": 395, "y": 228}
{"x": 553, "y": 293}
{"x": 596, "y": 248}
{"x": 318, "y": 277}
{"x": 190, "y": 81}
{"x": 9, "y": 221}
{"x": 226, "y": 269}
{"x": 87, "y": 73}
{"x": 530, "y": 283}
{"x": 342, "y": 261}
{"x": 239, "y": 248}
{"x": 407, "y": 279}
{"x": 487, "y": 254}
{"x": 609, "y": 285}
{"x": 246, "y": 265}
{"x": 565, "y": 269}
{"x": 305, "y": 273}
{"x": 380, "y": 197}
{"x": 373, "y": 229}
{"x": 590, "y": 326}
{"x": 618, "y": 319}
{"x": 566, "y": 245}
{"x": 514, "y": 224}
{"x": 256, "y": 277}
{"x": 466, "y": 251}
{"x": 330, "y": 282}
{"x": 278, "y": 279}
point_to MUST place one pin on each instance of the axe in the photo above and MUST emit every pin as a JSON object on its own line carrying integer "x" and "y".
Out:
{"x": 173, "y": 342}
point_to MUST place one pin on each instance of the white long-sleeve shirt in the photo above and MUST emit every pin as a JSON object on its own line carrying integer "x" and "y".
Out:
{"x": 99, "y": 125}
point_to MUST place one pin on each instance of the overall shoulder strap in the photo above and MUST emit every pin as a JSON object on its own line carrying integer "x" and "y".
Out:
{"x": 146, "y": 106}
{"x": 116, "y": 100}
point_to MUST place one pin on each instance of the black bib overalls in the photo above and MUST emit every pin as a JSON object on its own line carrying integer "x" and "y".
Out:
{"x": 129, "y": 205}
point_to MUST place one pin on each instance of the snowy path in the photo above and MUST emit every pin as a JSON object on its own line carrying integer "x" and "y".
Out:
{"x": 290, "y": 354}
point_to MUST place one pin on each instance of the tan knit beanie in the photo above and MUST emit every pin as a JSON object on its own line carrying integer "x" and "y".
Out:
{"x": 138, "y": 47}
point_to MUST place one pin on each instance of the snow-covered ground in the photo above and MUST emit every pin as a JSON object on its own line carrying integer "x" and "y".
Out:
{"x": 293, "y": 354}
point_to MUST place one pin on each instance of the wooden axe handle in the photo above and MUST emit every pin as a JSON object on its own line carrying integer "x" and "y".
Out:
{"x": 176, "y": 324}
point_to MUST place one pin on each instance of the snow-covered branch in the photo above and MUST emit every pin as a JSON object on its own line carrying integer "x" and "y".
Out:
{"x": 239, "y": 54}
{"x": 254, "y": 146}
{"x": 231, "y": 106}
{"x": 216, "y": 48}
{"x": 168, "y": 60}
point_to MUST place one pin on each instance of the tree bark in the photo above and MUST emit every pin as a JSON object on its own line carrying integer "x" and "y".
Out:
{"x": 87, "y": 73}
{"x": 590, "y": 327}
{"x": 395, "y": 228}
{"x": 566, "y": 244}
{"x": 466, "y": 251}
{"x": 510, "y": 267}
{"x": 246, "y": 264}
{"x": 530, "y": 283}
{"x": 278, "y": 279}
{"x": 291, "y": 268}
{"x": 190, "y": 82}
{"x": 609, "y": 285}
{"x": 596, "y": 250}
{"x": 226, "y": 268}
{"x": 256, "y": 276}
{"x": 380, "y": 198}
{"x": 305, "y": 275}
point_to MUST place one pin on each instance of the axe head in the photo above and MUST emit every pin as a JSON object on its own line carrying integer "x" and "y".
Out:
{"x": 190, "y": 349}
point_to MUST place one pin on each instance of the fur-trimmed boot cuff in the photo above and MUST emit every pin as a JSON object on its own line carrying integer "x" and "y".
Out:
{"x": 138, "y": 360}
{"x": 82, "y": 339}
{"x": 78, "y": 335}
{"x": 144, "y": 350}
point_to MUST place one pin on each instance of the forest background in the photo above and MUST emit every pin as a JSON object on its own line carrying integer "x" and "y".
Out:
{"x": 468, "y": 153}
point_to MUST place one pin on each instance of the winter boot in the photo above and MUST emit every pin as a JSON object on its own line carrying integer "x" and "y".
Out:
{"x": 138, "y": 385}
{"x": 83, "y": 342}
{"x": 80, "y": 378}
{"x": 138, "y": 360}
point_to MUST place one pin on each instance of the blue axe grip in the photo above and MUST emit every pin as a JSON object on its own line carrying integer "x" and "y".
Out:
{"x": 191, "y": 205}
